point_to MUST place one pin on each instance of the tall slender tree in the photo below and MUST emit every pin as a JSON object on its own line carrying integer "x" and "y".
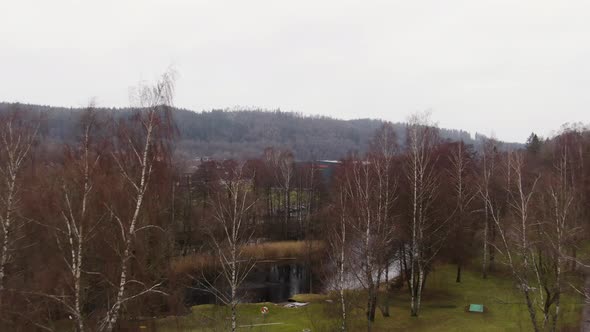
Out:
{"x": 140, "y": 146}
{"x": 426, "y": 230}
{"x": 77, "y": 218}
{"x": 383, "y": 151}
{"x": 232, "y": 204}
{"x": 460, "y": 175}
{"x": 18, "y": 133}
{"x": 486, "y": 192}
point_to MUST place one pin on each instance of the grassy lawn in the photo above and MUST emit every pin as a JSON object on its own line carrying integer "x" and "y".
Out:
{"x": 445, "y": 302}
{"x": 443, "y": 309}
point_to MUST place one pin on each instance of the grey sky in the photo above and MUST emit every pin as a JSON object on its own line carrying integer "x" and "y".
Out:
{"x": 507, "y": 67}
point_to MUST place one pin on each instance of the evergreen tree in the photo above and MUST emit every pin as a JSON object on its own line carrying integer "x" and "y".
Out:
{"x": 533, "y": 144}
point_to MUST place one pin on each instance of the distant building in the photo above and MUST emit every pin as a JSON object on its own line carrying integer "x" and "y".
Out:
{"x": 325, "y": 167}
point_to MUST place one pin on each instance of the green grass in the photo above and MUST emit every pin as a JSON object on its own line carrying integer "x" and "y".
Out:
{"x": 445, "y": 302}
{"x": 443, "y": 309}
{"x": 216, "y": 318}
{"x": 313, "y": 298}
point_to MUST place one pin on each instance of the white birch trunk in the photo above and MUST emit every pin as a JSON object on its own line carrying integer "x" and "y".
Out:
{"x": 151, "y": 98}
{"x": 15, "y": 145}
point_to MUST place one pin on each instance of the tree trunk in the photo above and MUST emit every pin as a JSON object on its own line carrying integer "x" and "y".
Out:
{"x": 113, "y": 314}
{"x": 234, "y": 275}
{"x": 531, "y": 309}
{"x": 484, "y": 268}
{"x": 343, "y": 305}
{"x": 286, "y": 214}
{"x": 234, "y": 320}
{"x": 371, "y": 303}
{"x": 3, "y": 260}
{"x": 77, "y": 286}
{"x": 385, "y": 306}
{"x": 6, "y": 225}
{"x": 414, "y": 291}
{"x": 491, "y": 249}
{"x": 420, "y": 287}
{"x": 574, "y": 257}
{"x": 342, "y": 299}
{"x": 372, "y": 306}
{"x": 342, "y": 269}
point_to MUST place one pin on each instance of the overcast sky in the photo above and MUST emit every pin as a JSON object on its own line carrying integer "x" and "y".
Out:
{"x": 500, "y": 66}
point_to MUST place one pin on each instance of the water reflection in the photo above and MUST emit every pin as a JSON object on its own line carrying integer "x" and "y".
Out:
{"x": 270, "y": 281}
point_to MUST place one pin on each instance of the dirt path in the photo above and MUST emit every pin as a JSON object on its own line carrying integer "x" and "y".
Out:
{"x": 264, "y": 324}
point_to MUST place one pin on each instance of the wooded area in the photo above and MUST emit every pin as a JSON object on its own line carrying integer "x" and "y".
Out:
{"x": 106, "y": 225}
{"x": 243, "y": 133}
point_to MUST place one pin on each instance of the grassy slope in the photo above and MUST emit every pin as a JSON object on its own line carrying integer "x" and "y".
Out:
{"x": 445, "y": 301}
{"x": 443, "y": 310}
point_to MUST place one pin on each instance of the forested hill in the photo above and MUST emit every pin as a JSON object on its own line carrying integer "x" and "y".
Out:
{"x": 245, "y": 133}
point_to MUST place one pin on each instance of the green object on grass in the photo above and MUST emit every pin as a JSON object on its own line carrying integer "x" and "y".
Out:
{"x": 476, "y": 308}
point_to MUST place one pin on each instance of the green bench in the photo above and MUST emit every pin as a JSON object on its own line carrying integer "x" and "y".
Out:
{"x": 476, "y": 308}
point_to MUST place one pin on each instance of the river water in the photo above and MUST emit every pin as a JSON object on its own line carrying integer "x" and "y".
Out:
{"x": 269, "y": 281}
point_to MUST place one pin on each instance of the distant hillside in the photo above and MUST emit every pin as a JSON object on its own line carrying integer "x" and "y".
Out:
{"x": 237, "y": 133}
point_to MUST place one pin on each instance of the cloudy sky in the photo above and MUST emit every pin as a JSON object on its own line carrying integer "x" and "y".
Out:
{"x": 501, "y": 66}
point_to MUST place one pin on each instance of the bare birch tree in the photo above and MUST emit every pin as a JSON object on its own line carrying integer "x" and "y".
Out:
{"x": 370, "y": 232}
{"x": 138, "y": 151}
{"x": 232, "y": 203}
{"x": 339, "y": 246}
{"x": 557, "y": 233}
{"x": 359, "y": 192}
{"x": 76, "y": 226}
{"x": 560, "y": 213}
{"x": 520, "y": 239}
{"x": 17, "y": 137}
{"x": 426, "y": 231}
{"x": 460, "y": 176}
{"x": 520, "y": 202}
{"x": 383, "y": 150}
{"x": 488, "y": 169}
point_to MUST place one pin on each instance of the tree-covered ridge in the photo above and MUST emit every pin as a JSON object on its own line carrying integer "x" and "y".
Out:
{"x": 244, "y": 133}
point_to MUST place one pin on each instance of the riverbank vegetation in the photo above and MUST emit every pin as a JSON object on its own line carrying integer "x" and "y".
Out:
{"x": 260, "y": 252}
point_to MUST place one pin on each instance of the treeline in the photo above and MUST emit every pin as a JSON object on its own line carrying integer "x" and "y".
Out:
{"x": 226, "y": 134}
{"x": 106, "y": 227}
